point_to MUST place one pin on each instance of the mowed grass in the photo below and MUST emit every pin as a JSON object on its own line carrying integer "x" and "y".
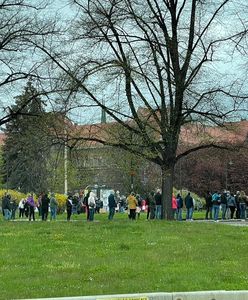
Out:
{"x": 55, "y": 259}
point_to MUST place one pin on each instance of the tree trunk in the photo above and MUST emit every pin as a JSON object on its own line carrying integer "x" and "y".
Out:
{"x": 167, "y": 190}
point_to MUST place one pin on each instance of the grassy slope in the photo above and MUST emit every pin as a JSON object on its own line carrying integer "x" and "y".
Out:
{"x": 53, "y": 259}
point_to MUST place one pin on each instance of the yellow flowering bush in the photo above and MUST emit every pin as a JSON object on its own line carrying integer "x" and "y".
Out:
{"x": 14, "y": 194}
{"x": 61, "y": 198}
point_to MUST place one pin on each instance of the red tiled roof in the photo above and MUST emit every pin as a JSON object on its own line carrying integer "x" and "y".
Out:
{"x": 191, "y": 134}
{"x": 234, "y": 133}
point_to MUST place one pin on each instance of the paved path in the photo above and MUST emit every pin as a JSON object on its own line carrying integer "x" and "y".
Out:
{"x": 234, "y": 222}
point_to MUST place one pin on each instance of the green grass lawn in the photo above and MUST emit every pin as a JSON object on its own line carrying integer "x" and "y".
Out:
{"x": 55, "y": 259}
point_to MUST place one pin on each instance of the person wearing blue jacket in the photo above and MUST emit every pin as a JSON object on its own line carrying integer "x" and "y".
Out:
{"x": 216, "y": 200}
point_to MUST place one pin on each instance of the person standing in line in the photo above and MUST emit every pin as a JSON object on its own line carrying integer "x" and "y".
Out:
{"x": 179, "y": 207}
{"x": 223, "y": 204}
{"x": 189, "y": 204}
{"x": 86, "y": 203}
{"x": 117, "y": 199}
{"x": 21, "y": 208}
{"x": 39, "y": 204}
{"x": 122, "y": 204}
{"x": 6, "y": 207}
{"x": 98, "y": 206}
{"x": 132, "y": 204}
{"x": 158, "y": 200}
{"x": 69, "y": 207}
{"x": 53, "y": 207}
{"x": 112, "y": 205}
{"x": 31, "y": 204}
{"x": 209, "y": 205}
{"x": 231, "y": 203}
{"x": 237, "y": 200}
{"x": 216, "y": 205}
{"x": 152, "y": 205}
{"x": 174, "y": 206}
{"x": 44, "y": 207}
{"x": 13, "y": 208}
{"x": 26, "y": 209}
{"x": 242, "y": 205}
{"x": 92, "y": 205}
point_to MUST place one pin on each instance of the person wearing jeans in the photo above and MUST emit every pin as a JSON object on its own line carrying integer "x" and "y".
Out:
{"x": 6, "y": 206}
{"x": 189, "y": 203}
{"x": 216, "y": 200}
{"x": 158, "y": 200}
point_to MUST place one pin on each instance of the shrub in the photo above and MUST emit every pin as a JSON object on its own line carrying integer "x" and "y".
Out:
{"x": 61, "y": 198}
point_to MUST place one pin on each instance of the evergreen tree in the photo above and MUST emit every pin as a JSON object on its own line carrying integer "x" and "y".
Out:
{"x": 26, "y": 146}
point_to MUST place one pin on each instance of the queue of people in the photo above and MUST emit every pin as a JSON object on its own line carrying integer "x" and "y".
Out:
{"x": 230, "y": 205}
{"x": 225, "y": 205}
{"x": 27, "y": 207}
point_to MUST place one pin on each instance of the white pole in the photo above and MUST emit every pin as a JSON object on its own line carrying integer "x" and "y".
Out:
{"x": 66, "y": 168}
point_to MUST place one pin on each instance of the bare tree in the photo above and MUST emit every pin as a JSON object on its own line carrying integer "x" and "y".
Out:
{"x": 21, "y": 21}
{"x": 154, "y": 66}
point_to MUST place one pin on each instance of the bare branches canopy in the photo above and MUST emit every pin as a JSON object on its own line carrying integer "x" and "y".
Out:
{"x": 172, "y": 58}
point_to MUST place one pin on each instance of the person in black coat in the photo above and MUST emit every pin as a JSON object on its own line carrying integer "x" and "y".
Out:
{"x": 86, "y": 203}
{"x": 112, "y": 205}
{"x": 158, "y": 200}
{"x": 44, "y": 206}
{"x": 189, "y": 203}
{"x": 69, "y": 207}
{"x": 179, "y": 207}
{"x": 6, "y": 206}
{"x": 209, "y": 205}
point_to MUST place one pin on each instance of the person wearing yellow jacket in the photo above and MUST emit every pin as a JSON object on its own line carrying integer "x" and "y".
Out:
{"x": 132, "y": 204}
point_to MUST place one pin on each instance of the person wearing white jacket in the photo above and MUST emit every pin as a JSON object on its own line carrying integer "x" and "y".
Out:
{"x": 92, "y": 205}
